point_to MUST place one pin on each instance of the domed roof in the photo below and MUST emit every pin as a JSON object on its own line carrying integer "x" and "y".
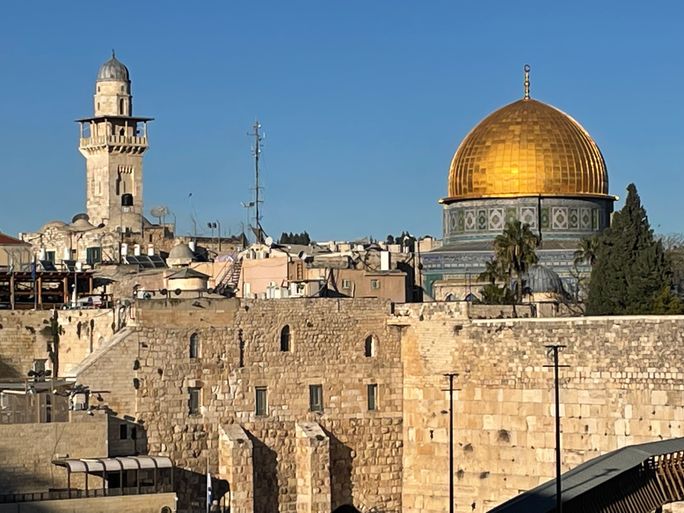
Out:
{"x": 181, "y": 251}
{"x": 527, "y": 148}
{"x": 113, "y": 69}
{"x": 541, "y": 279}
{"x": 52, "y": 224}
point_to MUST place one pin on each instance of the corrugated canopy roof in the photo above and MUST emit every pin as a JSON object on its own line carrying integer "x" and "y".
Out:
{"x": 588, "y": 476}
{"x": 89, "y": 465}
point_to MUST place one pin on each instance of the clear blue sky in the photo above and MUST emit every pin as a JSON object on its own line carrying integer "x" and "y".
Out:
{"x": 363, "y": 102}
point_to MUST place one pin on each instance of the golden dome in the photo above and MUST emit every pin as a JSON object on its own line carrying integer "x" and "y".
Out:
{"x": 527, "y": 148}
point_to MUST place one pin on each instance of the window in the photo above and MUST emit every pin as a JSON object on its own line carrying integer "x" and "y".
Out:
{"x": 194, "y": 396}
{"x": 93, "y": 256}
{"x": 370, "y": 346}
{"x": 194, "y": 346}
{"x": 372, "y": 397}
{"x": 285, "y": 338}
{"x": 123, "y": 431}
{"x": 121, "y": 106}
{"x": 134, "y": 433}
{"x": 50, "y": 256}
{"x": 315, "y": 397}
{"x": 375, "y": 284}
{"x": 261, "y": 401}
{"x": 346, "y": 284}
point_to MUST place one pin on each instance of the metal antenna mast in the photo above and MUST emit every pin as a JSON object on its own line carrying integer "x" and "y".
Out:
{"x": 256, "y": 151}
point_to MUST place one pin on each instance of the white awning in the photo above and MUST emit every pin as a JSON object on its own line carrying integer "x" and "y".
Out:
{"x": 89, "y": 465}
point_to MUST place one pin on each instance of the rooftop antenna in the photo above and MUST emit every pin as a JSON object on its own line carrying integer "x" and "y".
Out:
{"x": 256, "y": 151}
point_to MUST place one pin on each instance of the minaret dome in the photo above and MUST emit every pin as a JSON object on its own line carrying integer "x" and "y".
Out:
{"x": 113, "y": 90}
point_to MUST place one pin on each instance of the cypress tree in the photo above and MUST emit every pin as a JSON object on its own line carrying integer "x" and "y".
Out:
{"x": 631, "y": 275}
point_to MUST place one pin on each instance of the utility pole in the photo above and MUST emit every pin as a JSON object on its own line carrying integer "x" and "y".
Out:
{"x": 256, "y": 151}
{"x": 451, "y": 389}
{"x": 552, "y": 352}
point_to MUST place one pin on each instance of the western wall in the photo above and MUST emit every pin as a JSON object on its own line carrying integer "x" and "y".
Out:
{"x": 624, "y": 385}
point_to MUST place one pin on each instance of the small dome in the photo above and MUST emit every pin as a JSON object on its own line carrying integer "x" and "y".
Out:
{"x": 181, "y": 252}
{"x": 541, "y": 279}
{"x": 53, "y": 224}
{"x": 82, "y": 215}
{"x": 81, "y": 223}
{"x": 113, "y": 69}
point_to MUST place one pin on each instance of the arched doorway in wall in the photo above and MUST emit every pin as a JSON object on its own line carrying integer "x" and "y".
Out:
{"x": 346, "y": 508}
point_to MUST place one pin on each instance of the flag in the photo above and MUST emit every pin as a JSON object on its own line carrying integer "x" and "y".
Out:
{"x": 208, "y": 491}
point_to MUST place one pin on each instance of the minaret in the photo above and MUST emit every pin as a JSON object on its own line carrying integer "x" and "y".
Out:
{"x": 113, "y": 143}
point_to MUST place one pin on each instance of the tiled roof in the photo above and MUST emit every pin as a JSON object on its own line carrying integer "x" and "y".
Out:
{"x": 6, "y": 240}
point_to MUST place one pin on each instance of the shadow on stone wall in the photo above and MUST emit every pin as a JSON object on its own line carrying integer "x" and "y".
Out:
{"x": 340, "y": 474}
{"x": 17, "y": 476}
{"x": 346, "y": 508}
{"x": 191, "y": 489}
{"x": 8, "y": 372}
{"x": 265, "y": 464}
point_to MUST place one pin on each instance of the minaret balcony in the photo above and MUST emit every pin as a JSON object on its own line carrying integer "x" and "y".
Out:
{"x": 113, "y": 140}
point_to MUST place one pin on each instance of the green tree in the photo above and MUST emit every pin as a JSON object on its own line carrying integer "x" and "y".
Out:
{"x": 493, "y": 293}
{"x": 515, "y": 252}
{"x": 631, "y": 275}
{"x": 586, "y": 252}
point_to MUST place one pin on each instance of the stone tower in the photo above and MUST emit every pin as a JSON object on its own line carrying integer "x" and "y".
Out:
{"x": 113, "y": 143}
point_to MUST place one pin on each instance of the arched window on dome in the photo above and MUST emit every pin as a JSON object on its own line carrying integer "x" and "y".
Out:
{"x": 194, "y": 346}
{"x": 121, "y": 107}
{"x": 285, "y": 339}
{"x": 370, "y": 348}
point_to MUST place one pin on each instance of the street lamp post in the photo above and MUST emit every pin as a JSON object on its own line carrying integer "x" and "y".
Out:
{"x": 552, "y": 351}
{"x": 451, "y": 376}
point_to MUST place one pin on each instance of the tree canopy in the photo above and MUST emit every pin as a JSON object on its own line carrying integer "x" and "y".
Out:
{"x": 295, "y": 238}
{"x": 514, "y": 253}
{"x": 631, "y": 274}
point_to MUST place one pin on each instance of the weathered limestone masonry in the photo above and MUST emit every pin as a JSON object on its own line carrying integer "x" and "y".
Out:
{"x": 235, "y": 465}
{"x": 82, "y": 332}
{"x": 625, "y": 385}
{"x": 239, "y": 350}
{"x": 27, "y": 451}
{"x": 26, "y": 336}
{"x": 23, "y": 338}
{"x": 148, "y": 503}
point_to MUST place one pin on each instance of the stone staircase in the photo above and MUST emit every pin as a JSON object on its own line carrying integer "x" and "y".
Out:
{"x": 229, "y": 281}
{"x": 113, "y": 341}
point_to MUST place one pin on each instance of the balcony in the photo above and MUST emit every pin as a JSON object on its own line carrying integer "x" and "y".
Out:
{"x": 113, "y": 140}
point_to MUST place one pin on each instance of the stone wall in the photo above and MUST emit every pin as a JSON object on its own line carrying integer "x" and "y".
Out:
{"x": 240, "y": 349}
{"x": 149, "y": 503}
{"x": 27, "y": 451}
{"x": 82, "y": 332}
{"x": 27, "y": 335}
{"x": 624, "y": 385}
{"x": 24, "y": 336}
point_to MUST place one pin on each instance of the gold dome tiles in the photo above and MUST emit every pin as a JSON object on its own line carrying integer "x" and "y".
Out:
{"x": 527, "y": 148}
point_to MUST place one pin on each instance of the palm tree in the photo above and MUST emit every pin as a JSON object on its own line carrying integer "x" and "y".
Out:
{"x": 515, "y": 251}
{"x": 586, "y": 252}
{"x": 492, "y": 273}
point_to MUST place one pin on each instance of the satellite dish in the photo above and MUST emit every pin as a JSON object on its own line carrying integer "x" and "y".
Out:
{"x": 160, "y": 213}
{"x": 268, "y": 241}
